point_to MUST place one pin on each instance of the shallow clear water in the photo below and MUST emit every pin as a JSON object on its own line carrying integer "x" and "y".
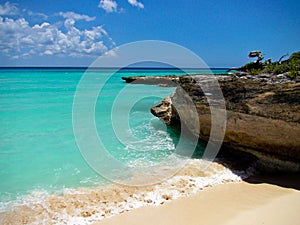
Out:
{"x": 38, "y": 150}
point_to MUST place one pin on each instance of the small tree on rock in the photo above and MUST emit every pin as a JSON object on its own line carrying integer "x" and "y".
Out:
{"x": 257, "y": 54}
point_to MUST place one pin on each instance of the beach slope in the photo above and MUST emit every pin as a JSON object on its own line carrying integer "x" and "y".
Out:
{"x": 230, "y": 204}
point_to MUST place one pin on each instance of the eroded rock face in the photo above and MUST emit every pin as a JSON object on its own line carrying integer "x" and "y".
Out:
{"x": 263, "y": 118}
{"x": 164, "y": 111}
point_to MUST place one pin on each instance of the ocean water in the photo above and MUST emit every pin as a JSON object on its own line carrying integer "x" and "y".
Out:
{"x": 39, "y": 154}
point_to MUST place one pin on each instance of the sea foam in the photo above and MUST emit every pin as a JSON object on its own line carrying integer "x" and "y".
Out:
{"x": 87, "y": 205}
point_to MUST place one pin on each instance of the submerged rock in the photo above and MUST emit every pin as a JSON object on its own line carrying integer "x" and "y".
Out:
{"x": 263, "y": 117}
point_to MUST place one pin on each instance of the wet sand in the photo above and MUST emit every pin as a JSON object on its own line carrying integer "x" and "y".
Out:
{"x": 89, "y": 205}
{"x": 251, "y": 202}
{"x": 193, "y": 196}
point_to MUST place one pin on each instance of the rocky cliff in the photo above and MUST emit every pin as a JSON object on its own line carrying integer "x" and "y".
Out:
{"x": 263, "y": 117}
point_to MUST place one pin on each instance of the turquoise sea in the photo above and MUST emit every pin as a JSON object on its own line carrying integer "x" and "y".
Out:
{"x": 38, "y": 150}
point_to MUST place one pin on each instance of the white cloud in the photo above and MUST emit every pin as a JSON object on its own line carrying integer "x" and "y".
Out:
{"x": 35, "y": 14}
{"x": 111, "y": 6}
{"x": 19, "y": 39}
{"x": 108, "y": 5}
{"x": 8, "y": 9}
{"x": 48, "y": 52}
{"x": 111, "y": 53}
{"x": 76, "y": 16}
{"x": 136, "y": 3}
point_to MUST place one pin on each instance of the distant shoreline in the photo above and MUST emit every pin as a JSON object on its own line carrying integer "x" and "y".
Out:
{"x": 110, "y": 68}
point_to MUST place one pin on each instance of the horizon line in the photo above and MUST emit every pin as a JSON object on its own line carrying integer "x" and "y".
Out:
{"x": 84, "y": 67}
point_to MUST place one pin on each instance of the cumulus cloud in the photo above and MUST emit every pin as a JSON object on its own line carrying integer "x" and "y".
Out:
{"x": 19, "y": 39}
{"x": 8, "y": 9}
{"x": 108, "y": 5}
{"x": 136, "y": 3}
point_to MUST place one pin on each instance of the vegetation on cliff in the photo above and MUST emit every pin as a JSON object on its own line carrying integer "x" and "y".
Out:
{"x": 290, "y": 66}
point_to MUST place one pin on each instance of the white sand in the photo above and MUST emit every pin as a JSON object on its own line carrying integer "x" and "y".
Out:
{"x": 230, "y": 204}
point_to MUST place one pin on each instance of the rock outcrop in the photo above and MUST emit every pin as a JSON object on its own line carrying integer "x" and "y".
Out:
{"x": 263, "y": 117}
{"x": 168, "y": 81}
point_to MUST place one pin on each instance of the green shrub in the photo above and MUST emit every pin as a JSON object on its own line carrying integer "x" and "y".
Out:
{"x": 281, "y": 68}
{"x": 254, "y": 71}
{"x": 292, "y": 66}
{"x": 295, "y": 58}
{"x": 293, "y": 74}
{"x": 294, "y": 71}
{"x": 252, "y": 66}
{"x": 269, "y": 68}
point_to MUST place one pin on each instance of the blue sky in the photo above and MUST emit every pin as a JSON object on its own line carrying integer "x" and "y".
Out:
{"x": 75, "y": 33}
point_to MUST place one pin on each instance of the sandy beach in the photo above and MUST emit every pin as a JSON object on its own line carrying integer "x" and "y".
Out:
{"x": 140, "y": 112}
{"x": 261, "y": 200}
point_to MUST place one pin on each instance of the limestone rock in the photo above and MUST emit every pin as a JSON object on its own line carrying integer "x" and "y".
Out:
{"x": 168, "y": 81}
{"x": 263, "y": 118}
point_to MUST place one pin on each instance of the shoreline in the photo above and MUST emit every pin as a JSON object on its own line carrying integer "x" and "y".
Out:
{"x": 230, "y": 192}
{"x": 86, "y": 206}
{"x": 257, "y": 199}
{"x": 230, "y": 204}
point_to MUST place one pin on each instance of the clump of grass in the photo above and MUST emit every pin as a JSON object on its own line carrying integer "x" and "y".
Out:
{"x": 276, "y": 68}
{"x": 294, "y": 72}
{"x": 294, "y": 75}
{"x": 254, "y": 71}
